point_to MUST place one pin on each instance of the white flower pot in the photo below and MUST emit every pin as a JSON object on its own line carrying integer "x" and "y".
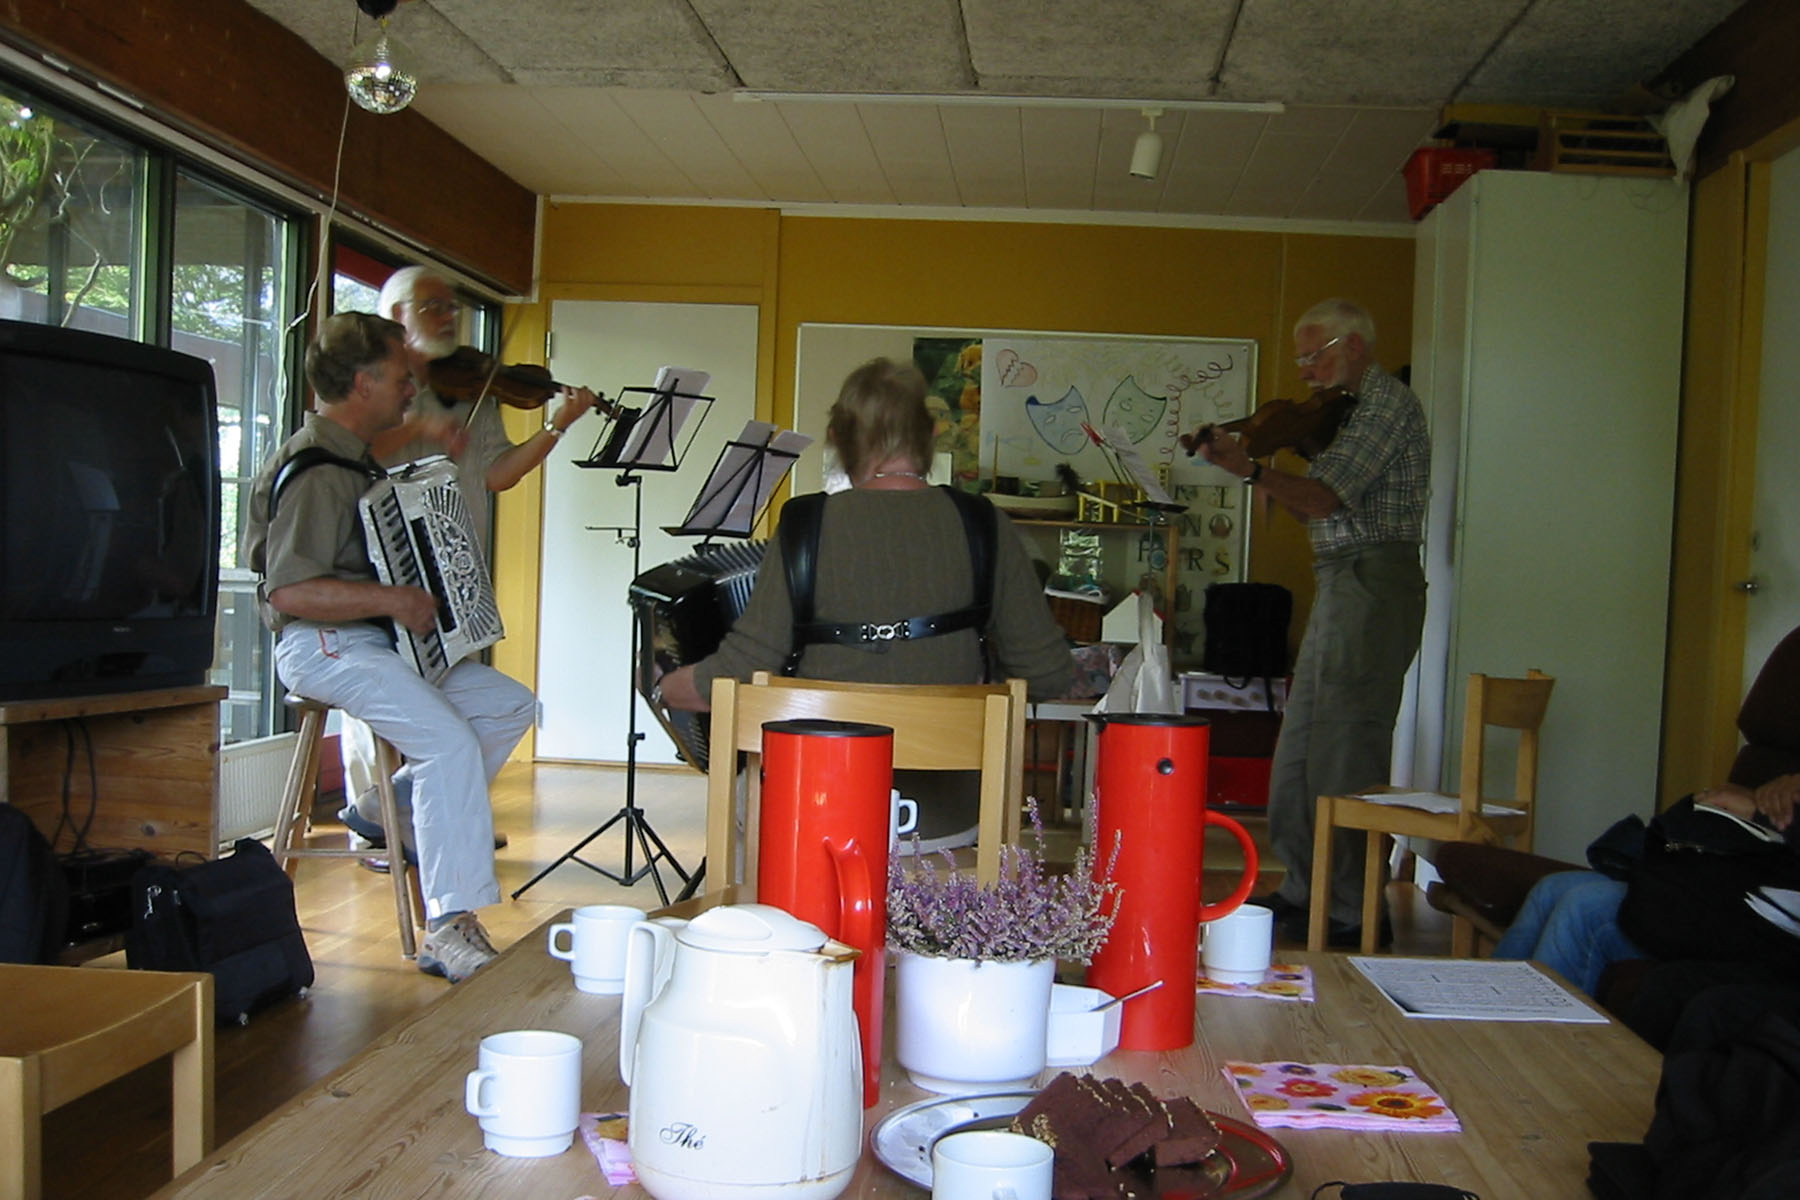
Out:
{"x": 963, "y": 1025}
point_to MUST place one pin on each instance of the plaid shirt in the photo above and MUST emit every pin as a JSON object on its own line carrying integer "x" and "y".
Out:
{"x": 1379, "y": 466}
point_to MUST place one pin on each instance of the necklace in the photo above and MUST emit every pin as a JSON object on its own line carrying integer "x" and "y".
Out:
{"x": 898, "y": 475}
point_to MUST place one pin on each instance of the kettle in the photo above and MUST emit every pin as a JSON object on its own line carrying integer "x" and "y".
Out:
{"x": 743, "y": 1060}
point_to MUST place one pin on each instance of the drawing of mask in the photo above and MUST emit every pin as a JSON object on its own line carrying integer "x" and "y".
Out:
{"x": 1059, "y": 424}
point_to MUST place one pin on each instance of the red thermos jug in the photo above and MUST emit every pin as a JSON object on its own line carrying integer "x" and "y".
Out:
{"x": 1150, "y": 796}
{"x": 827, "y": 820}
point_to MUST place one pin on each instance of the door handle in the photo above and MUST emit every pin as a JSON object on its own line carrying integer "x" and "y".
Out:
{"x": 1747, "y": 586}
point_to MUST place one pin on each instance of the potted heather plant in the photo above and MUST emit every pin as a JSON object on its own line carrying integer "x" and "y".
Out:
{"x": 974, "y": 963}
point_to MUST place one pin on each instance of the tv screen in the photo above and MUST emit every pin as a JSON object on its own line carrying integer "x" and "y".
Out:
{"x": 109, "y": 513}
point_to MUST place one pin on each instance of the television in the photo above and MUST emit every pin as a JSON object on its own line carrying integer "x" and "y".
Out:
{"x": 109, "y": 514}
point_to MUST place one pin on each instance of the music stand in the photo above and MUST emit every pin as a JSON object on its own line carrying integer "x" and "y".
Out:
{"x": 748, "y": 470}
{"x": 1129, "y": 467}
{"x": 639, "y": 440}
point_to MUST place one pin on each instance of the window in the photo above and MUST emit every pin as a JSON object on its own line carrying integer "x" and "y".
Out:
{"x": 231, "y": 261}
{"x": 72, "y": 219}
{"x": 101, "y": 233}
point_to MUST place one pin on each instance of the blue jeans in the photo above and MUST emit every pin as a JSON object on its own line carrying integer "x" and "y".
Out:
{"x": 1570, "y": 923}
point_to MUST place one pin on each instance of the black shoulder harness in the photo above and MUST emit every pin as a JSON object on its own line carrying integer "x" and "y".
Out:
{"x": 799, "y": 532}
{"x": 305, "y": 460}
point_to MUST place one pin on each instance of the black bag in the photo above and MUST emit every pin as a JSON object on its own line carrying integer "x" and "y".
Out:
{"x": 1685, "y": 898}
{"x": 233, "y": 917}
{"x": 1247, "y": 630}
{"x": 34, "y": 896}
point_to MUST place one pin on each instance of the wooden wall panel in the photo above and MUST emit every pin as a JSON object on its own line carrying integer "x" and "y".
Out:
{"x": 235, "y": 78}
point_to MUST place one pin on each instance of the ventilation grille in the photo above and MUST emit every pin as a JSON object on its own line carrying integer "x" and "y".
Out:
{"x": 251, "y": 776}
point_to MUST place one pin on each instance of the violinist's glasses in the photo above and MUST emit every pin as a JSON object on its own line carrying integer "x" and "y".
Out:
{"x": 1307, "y": 360}
{"x": 436, "y": 307}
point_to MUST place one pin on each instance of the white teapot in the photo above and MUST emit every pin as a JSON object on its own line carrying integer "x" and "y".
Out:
{"x": 743, "y": 1057}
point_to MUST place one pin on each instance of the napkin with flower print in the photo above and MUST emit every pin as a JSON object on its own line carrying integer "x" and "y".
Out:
{"x": 1337, "y": 1096}
{"x": 1282, "y": 981}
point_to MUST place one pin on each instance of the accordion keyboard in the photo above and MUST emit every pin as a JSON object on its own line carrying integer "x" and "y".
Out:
{"x": 421, "y": 534}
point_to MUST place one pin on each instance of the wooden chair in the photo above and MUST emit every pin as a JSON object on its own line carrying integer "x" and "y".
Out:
{"x": 70, "y": 1030}
{"x": 294, "y": 820}
{"x": 1493, "y": 703}
{"x": 936, "y": 728}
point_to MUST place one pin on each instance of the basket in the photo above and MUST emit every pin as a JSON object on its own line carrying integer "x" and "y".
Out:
{"x": 1433, "y": 172}
{"x": 1080, "y": 619}
{"x": 1602, "y": 144}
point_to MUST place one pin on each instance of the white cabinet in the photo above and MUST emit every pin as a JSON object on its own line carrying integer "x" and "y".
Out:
{"x": 1547, "y": 337}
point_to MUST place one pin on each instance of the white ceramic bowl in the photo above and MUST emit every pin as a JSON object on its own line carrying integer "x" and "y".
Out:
{"x": 1079, "y": 1036}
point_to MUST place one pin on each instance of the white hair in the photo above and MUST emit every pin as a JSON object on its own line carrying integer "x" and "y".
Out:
{"x": 1336, "y": 317}
{"x": 400, "y": 287}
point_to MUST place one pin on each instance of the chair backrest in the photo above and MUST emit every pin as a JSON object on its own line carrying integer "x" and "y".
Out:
{"x": 1500, "y": 703}
{"x": 944, "y": 727}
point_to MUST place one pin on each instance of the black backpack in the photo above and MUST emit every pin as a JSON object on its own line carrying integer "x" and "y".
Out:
{"x": 34, "y": 895}
{"x": 1247, "y": 631}
{"x": 799, "y": 531}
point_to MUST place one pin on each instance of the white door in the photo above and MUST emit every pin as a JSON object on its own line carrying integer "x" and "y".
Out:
{"x": 1774, "y": 606}
{"x": 585, "y": 655}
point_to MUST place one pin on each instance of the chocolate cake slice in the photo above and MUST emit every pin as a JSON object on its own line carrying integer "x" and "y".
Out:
{"x": 1192, "y": 1137}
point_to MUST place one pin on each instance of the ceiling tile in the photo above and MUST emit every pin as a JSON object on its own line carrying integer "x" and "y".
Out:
{"x": 1173, "y": 42}
{"x": 825, "y": 46}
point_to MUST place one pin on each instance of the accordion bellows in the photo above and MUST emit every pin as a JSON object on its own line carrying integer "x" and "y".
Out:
{"x": 421, "y": 534}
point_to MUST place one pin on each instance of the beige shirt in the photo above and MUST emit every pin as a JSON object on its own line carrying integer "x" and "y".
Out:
{"x": 317, "y": 530}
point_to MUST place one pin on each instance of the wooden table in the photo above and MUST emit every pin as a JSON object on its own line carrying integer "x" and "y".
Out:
{"x": 391, "y": 1122}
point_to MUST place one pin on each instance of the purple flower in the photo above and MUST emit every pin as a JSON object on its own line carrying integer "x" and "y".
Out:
{"x": 1023, "y": 916}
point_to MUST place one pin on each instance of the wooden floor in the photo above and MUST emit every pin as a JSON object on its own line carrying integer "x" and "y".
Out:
{"x": 114, "y": 1144}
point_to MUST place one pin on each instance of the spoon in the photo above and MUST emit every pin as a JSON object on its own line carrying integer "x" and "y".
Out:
{"x": 1148, "y": 987}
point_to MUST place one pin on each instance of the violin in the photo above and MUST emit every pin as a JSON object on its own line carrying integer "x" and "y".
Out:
{"x": 1303, "y": 426}
{"x": 467, "y": 374}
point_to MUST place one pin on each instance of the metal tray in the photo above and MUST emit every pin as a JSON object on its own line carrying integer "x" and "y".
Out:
{"x": 1248, "y": 1162}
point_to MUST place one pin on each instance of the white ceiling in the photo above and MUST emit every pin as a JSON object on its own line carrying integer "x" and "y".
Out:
{"x": 642, "y": 99}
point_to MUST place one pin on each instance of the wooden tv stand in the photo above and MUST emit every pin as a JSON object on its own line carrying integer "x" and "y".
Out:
{"x": 155, "y": 767}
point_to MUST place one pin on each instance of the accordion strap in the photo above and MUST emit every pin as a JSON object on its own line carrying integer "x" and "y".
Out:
{"x": 305, "y": 459}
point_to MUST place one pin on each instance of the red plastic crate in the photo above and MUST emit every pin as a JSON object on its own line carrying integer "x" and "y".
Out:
{"x": 1433, "y": 172}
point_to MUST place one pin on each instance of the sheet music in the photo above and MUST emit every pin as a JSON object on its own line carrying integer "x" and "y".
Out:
{"x": 679, "y": 391}
{"x": 1431, "y": 802}
{"x": 1474, "y": 989}
{"x": 1131, "y": 466}
{"x": 724, "y": 506}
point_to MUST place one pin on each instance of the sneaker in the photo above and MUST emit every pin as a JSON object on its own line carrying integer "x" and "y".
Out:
{"x": 456, "y": 949}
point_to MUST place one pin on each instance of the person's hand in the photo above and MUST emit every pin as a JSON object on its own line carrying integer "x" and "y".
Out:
{"x": 1777, "y": 798}
{"x": 1226, "y": 451}
{"x": 447, "y": 432}
{"x": 575, "y": 402}
{"x": 413, "y": 607}
{"x": 1729, "y": 798}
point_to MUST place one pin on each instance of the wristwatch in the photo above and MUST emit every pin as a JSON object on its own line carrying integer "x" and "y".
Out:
{"x": 551, "y": 428}
{"x": 1254, "y": 475}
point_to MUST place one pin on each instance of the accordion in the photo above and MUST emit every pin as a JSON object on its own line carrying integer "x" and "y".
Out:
{"x": 684, "y": 609}
{"x": 421, "y": 534}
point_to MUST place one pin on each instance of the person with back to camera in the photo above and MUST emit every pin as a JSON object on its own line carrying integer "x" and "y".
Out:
{"x": 320, "y": 596}
{"x": 892, "y": 548}
{"x": 1363, "y": 501}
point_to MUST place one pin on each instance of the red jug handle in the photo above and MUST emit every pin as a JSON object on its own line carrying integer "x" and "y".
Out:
{"x": 1212, "y": 912}
{"x": 856, "y": 894}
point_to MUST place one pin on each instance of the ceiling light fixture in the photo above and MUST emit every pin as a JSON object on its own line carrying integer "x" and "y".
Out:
{"x": 990, "y": 100}
{"x": 1146, "y": 155}
{"x": 379, "y": 75}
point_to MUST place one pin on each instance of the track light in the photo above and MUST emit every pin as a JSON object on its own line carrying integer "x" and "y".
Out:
{"x": 1146, "y": 155}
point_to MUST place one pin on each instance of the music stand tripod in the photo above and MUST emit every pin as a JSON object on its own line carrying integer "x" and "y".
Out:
{"x": 639, "y": 441}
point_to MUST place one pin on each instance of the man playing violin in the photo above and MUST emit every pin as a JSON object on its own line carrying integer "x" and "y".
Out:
{"x": 487, "y": 461}
{"x": 1363, "y": 501}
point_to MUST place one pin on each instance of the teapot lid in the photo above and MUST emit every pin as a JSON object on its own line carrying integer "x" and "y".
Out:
{"x": 750, "y": 929}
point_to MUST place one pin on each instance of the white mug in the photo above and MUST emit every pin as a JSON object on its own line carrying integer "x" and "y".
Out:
{"x": 526, "y": 1092}
{"x": 990, "y": 1164}
{"x": 1240, "y": 945}
{"x": 906, "y": 815}
{"x": 596, "y": 945}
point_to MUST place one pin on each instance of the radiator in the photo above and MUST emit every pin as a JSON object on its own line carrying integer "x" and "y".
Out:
{"x": 251, "y": 776}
